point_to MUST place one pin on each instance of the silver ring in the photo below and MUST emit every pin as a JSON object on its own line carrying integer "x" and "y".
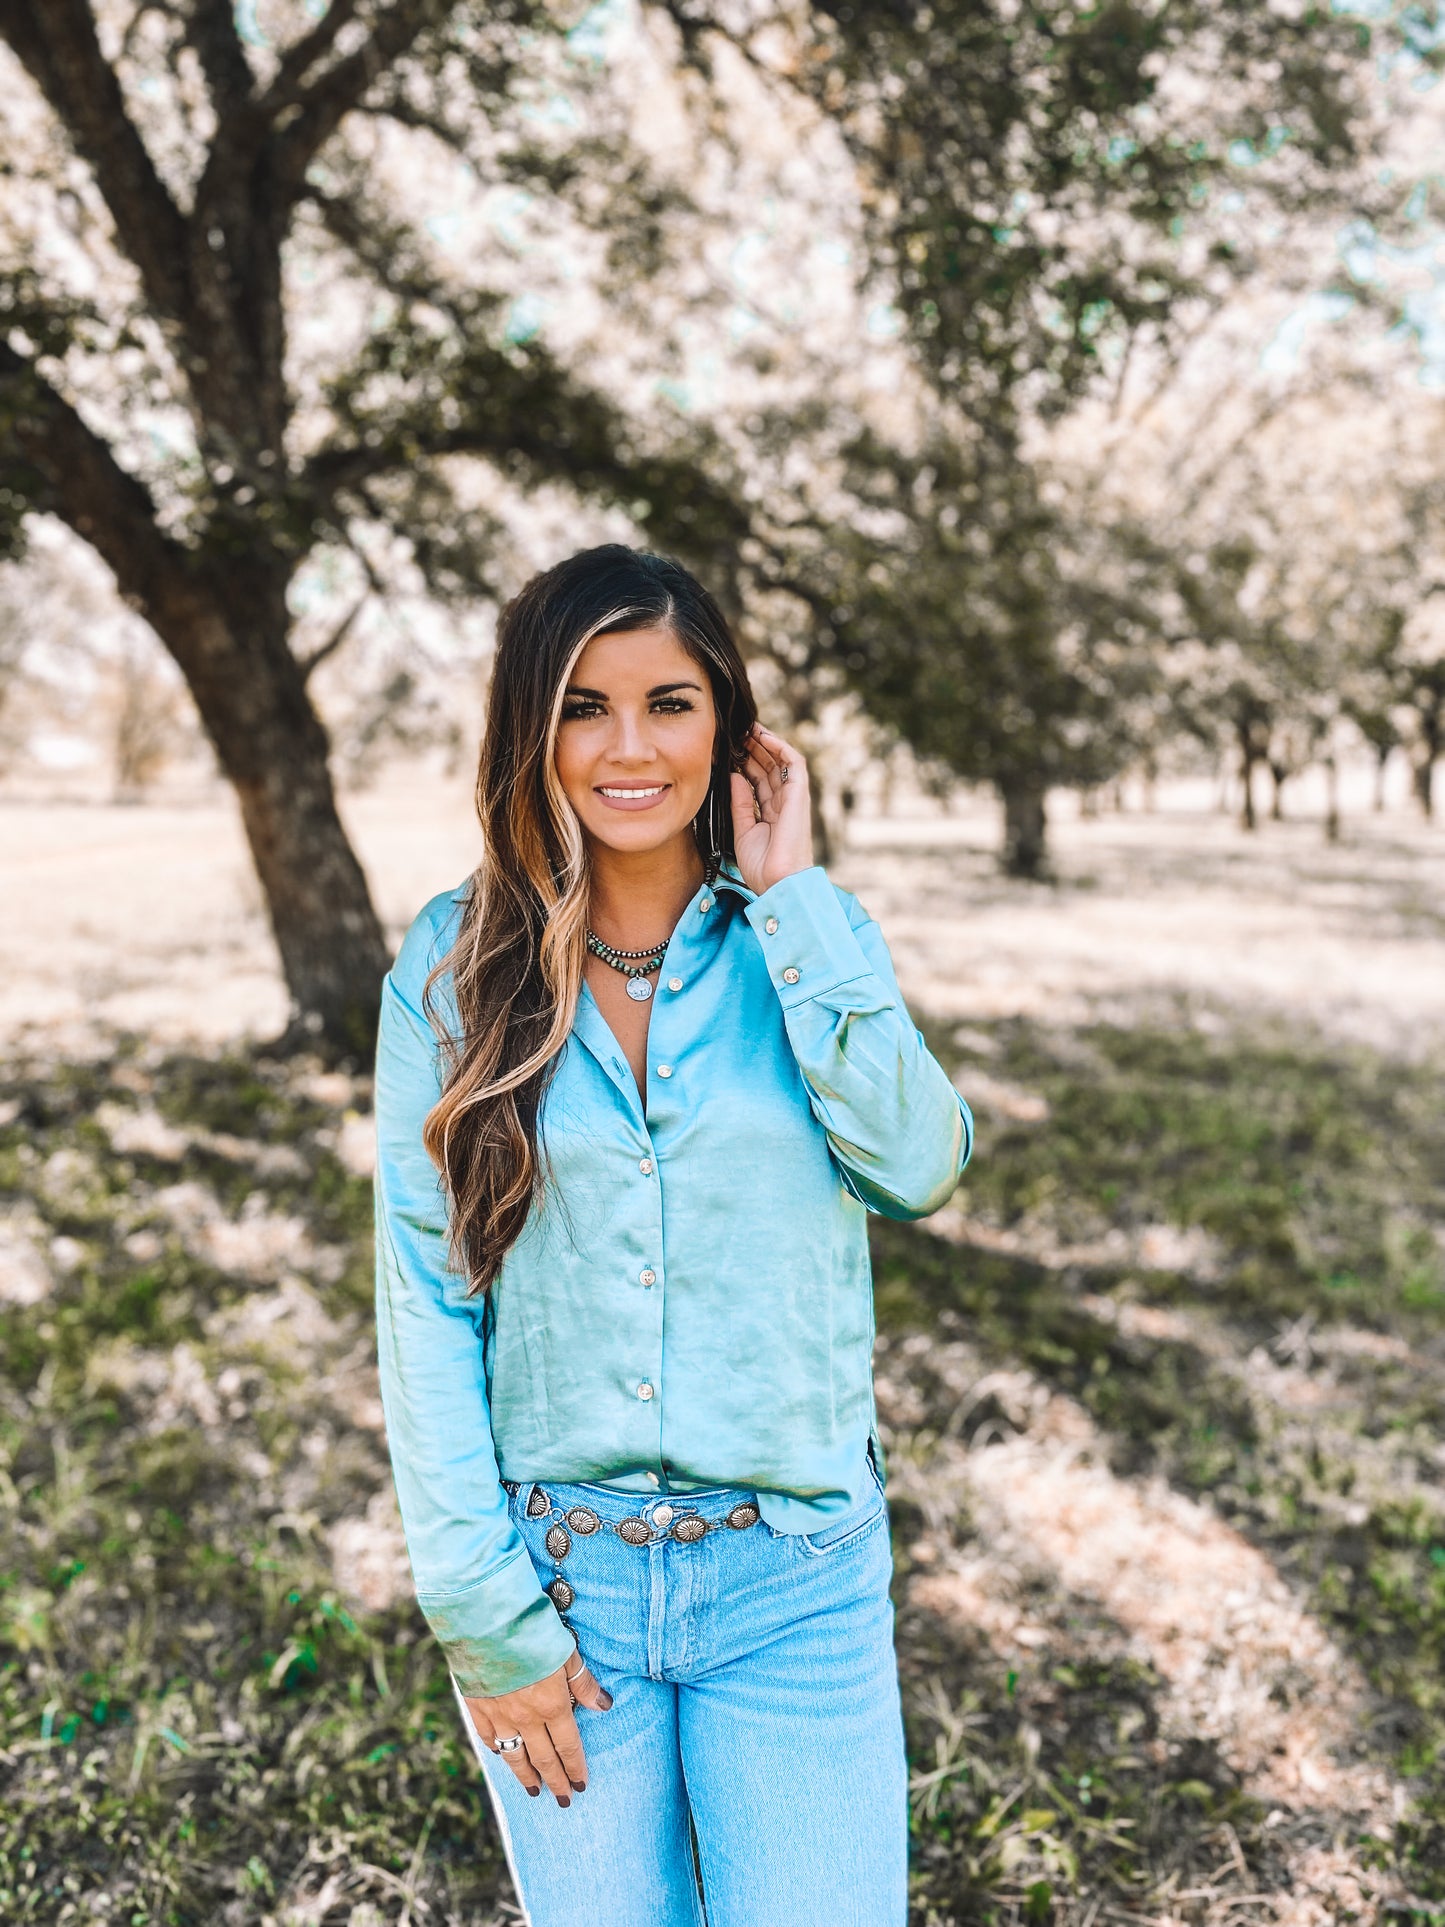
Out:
{"x": 784, "y": 773}
{"x": 569, "y": 1677}
{"x": 511, "y": 1745}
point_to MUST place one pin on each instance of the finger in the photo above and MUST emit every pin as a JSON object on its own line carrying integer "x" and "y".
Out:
{"x": 524, "y": 1770}
{"x": 760, "y": 746}
{"x": 568, "y": 1741}
{"x": 745, "y": 805}
{"x": 544, "y": 1758}
{"x": 784, "y": 756}
{"x": 482, "y": 1724}
{"x": 764, "y": 781}
{"x": 587, "y": 1692}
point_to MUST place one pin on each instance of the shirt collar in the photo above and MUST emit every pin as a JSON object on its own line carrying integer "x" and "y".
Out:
{"x": 730, "y": 878}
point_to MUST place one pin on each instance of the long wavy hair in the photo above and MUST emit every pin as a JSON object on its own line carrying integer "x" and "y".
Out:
{"x": 516, "y": 965}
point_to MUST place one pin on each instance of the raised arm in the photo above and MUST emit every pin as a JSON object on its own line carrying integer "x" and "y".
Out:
{"x": 898, "y": 1130}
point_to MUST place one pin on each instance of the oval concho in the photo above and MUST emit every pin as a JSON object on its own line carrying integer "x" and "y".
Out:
{"x": 639, "y": 989}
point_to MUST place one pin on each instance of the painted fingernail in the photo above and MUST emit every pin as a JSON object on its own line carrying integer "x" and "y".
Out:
{"x": 606, "y": 1702}
{"x": 563, "y": 1802}
{"x": 578, "y": 1786}
{"x": 534, "y": 1791}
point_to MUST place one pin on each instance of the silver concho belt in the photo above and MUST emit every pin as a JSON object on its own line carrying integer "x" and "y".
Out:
{"x": 686, "y": 1528}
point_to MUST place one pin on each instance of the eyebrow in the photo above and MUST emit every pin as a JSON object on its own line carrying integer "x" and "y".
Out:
{"x": 658, "y": 689}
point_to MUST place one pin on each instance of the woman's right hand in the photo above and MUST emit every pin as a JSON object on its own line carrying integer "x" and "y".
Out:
{"x": 542, "y": 1713}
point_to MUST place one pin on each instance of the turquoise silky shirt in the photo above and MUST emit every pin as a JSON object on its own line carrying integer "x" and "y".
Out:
{"x": 690, "y": 1303}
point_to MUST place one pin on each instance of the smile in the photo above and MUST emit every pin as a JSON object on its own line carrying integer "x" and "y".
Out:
{"x": 630, "y": 797}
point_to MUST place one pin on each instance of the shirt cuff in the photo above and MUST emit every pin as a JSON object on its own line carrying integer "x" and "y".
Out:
{"x": 807, "y": 942}
{"x": 501, "y": 1635}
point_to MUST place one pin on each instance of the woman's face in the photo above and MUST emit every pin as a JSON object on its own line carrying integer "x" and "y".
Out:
{"x": 635, "y": 745}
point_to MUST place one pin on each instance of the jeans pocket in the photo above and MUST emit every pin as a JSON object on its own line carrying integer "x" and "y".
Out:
{"x": 844, "y": 1534}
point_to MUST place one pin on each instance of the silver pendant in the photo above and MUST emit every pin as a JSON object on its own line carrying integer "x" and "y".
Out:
{"x": 639, "y": 989}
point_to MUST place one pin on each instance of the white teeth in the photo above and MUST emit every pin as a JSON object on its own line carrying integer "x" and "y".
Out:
{"x": 656, "y": 791}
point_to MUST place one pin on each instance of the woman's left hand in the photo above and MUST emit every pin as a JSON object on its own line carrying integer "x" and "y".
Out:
{"x": 772, "y": 815}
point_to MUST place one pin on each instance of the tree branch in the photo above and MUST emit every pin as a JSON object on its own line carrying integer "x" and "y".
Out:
{"x": 67, "y": 470}
{"x": 55, "y": 41}
{"x": 298, "y": 60}
{"x": 325, "y": 103}
{"x": 211, "y": 30}
{"x": 311, "y": 662}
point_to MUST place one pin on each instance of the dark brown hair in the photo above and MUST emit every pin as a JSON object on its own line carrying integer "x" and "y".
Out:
{"x": 516, "y": 965}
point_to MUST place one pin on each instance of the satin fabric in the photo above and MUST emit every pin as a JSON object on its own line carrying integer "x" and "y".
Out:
{"x": 690, "y": 1303}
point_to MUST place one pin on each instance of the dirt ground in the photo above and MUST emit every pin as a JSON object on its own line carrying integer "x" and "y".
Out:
{"x": 1148, "y": 1495}
{"x": 149, "y": 918}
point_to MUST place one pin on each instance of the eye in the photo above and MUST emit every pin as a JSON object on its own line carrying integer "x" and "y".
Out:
{"x": 673, "y": 706}
{"x": 579, "y": 708}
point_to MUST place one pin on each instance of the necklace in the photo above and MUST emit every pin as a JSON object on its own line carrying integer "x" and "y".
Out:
{"x": 635, "y": 965}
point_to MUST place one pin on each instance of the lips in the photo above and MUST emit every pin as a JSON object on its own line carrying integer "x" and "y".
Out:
{"x": 631, "y": 796}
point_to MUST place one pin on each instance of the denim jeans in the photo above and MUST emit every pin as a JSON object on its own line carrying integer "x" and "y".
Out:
{"x": 756, "y": 1719}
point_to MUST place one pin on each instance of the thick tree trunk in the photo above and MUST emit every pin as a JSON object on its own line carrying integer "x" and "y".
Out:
{"x": 332, "y": 949}
{"x": 271, "y": 745}
{"x": 1025, "y": 825}
{"x": 1382, "y": 759}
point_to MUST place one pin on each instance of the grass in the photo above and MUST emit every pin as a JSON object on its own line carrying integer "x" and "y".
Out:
{"x": 196, "y": 1728}
{"x": 1320, "y": 1179}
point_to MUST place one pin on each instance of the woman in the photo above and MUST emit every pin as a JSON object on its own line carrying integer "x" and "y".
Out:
{"x": 639, "y": 1081}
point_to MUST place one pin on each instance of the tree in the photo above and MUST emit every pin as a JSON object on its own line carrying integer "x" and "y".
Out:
{"x": 200, "y": 173}
{"x": 1050, "y": 194}
{"x": 968, "y": 614}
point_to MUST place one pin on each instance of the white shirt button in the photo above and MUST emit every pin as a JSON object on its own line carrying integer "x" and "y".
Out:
{"x": 644, "y": 1165}
{"x": 644, "y": 1391}
{"x": 771, "y": 926}
{"x": 664, "y": 1070}
{"x": 662, "y": 1516}
{"x": 706, "y": 904}
{"x": 647, "y": 1276}
{"x": 652, "y": 1479}
{"x": 790, "y": 976}
{"x": 674, "y": 983}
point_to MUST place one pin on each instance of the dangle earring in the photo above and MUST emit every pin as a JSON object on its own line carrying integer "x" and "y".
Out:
{"x": 707, "y": 826}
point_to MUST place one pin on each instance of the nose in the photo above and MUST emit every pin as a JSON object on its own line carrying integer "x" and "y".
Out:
{"x": 632, "y": 740}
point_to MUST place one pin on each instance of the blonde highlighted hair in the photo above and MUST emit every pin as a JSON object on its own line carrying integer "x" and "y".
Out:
{"x": 516, "y": 966}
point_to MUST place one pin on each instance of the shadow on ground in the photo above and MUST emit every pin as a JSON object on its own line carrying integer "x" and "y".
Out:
{"x": 1207, "y": 1270}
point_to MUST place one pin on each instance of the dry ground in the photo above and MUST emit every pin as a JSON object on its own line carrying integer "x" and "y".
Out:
{"x": 1162, "y": 1388}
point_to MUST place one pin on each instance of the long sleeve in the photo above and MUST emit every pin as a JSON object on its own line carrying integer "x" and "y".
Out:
{"x": 898, "y": 1130}
{"x": 474, "y": 1580}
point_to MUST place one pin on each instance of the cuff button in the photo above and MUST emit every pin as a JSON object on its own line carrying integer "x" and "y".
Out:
{"x": 790, "y": 976}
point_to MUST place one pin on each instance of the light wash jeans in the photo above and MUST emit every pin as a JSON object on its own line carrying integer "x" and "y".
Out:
{"x": 756, "y": 1713}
